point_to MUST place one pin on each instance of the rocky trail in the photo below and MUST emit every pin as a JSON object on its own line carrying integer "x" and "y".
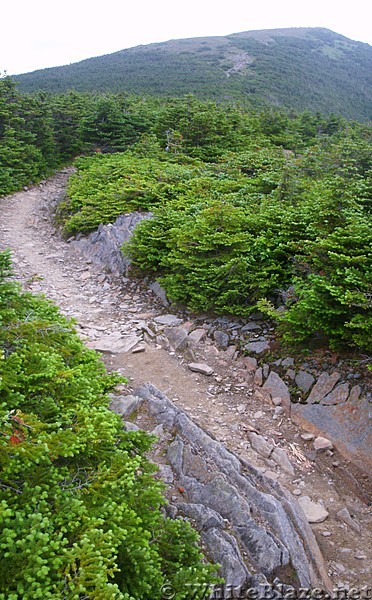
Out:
{"x": 237, "y": 408}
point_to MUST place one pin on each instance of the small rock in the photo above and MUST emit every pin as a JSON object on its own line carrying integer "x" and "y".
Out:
{"x": 258, "y": 377}
{"x": 138, "y": 349}
{"x": 250, "y": 363}
{"x": 360, "y": 556}
{"x": 258, "y": 414}
{"x": 168, "y": 320}
{"x": 265, "y": 370}
{"x": 326, "y": 533}
{"x": 201, "y": 368}
{"x": 288, "y": 362}
{"x": 297, "y": 492}
{"x": 355, "y": 393}
{"x": 222, "y": 339}
{"x": 307, "y": 437}
{"x": 277, "y": 401}
{"x": 130, "y": 426}
{"x": 159, "y": 292}
{"x": 252, "y": 326}
{"x": 320, "y": 444}
{"x": 279, "y": 410}
{"x": 177, "y": 337}
{"x": 291, "y": 373}
{"x": 314, "y": 512}
{"x": 158, "y": 430}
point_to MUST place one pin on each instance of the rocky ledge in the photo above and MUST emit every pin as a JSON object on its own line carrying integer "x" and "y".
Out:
{"x": 249, "y": 523}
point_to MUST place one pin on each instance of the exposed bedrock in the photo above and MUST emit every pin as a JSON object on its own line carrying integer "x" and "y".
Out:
{"x": 259, "y": 527}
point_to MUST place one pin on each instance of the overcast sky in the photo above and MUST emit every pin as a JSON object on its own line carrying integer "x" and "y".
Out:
{"x": 35, "y": 34}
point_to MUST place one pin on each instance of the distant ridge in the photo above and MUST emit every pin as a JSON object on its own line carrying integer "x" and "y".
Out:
{"x": 300, "y": 68}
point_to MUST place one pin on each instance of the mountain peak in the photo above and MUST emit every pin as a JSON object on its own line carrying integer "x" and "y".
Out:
{"x": 302, "y": 68}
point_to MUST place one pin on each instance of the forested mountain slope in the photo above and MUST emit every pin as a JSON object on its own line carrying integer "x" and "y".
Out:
{"x": 301, "y": 68}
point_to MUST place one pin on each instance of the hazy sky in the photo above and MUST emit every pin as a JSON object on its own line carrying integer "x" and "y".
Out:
{"x": 35, "y": 34}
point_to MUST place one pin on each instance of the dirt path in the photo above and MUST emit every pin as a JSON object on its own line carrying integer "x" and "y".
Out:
{"x": 104, "y": 306}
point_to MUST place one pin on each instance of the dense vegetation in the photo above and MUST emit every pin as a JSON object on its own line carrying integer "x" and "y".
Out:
{"x": 313, "y": 69}
{"x": 79, "y": 508}
{"x": 258, "y": 226}
{"x": 250, "y": 207}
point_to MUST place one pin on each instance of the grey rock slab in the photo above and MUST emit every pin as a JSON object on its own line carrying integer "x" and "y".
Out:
{"x": 168, "y": 320}
{"x": 204, "y": 517}
{"x": 304, "y": 380}
{"x": 251, "y": 326}
{"x": 277, "y": 388}
{"x": 114, "y": 344}
{"x": 347, "y": 425}
{"x": 125, "y": 406}
{"x": 314, "y": 512}
{"x": 159, "y": 292}
{"x": 262, "y": 504}
{"x": 346, "y": 517}
{"x": 260, "y": 445}
{"x": 323, "y": 386}
{"x": 103, "y": 247}
{"x": 339, "y": 394}
{"x": 355, "y": 392}
{"x": 257, "y": 347}
{"x": 281, "y": 458}
{"x": 288, "y": 362}
{"x": 201, "y": 368}
{"x": 197, "y": 335}
{"x": 166, "y": 474}
{"x": 224, "y": 550}
{"x": 177, "y": 337}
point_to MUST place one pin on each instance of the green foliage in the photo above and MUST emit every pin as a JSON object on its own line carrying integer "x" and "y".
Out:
{"x": 336, "y": 296}
{"x": 79, "y": 508}
{"x": 309, "y": 69}
{"x": 295, "y": 228}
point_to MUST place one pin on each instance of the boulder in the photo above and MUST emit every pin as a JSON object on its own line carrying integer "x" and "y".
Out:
{"x": 103, "y": 247}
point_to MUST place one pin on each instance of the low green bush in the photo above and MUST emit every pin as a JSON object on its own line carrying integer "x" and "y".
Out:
{"x": 80, "y": 511}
